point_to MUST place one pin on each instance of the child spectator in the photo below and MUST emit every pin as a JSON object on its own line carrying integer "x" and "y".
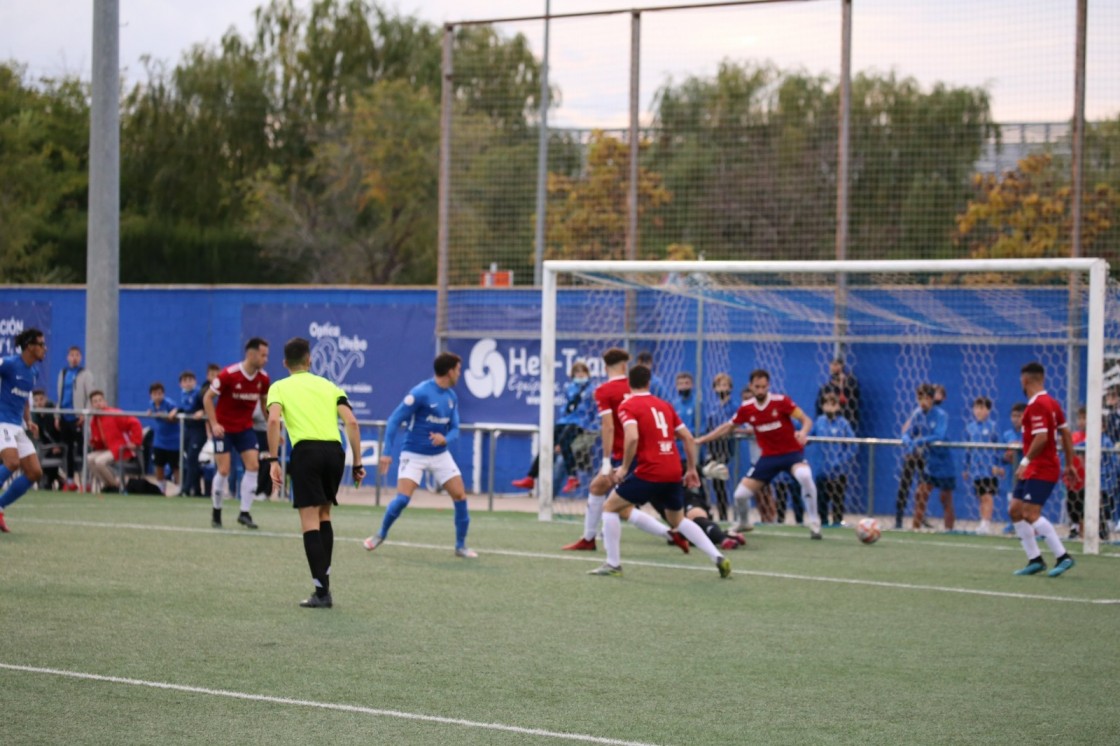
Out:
{"x": 928, "y": 426}
{"x": 1013, "y": 437}
{"x": 165, "y": 436}
{"x": 982, "y": 465}
{"x": 190, "y": 404}
{"x": 833, "y": 461}
{"x": 53, "y": 451}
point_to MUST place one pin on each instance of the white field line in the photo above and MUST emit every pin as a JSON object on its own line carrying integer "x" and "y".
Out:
{"x": 578, "y": 557}
{"x": 376, "y": 712}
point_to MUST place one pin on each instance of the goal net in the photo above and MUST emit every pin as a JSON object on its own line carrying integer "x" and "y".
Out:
{"x": 868, "y": 334}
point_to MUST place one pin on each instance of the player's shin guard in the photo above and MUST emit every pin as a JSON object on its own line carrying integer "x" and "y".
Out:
{"x": 743, "y": 497}
{"x": 393, "y": 512}
{"x": 612, "y": 538}
{"x": 647, "y": 523}
{"x": 316, "y": 561}
{"x": 1046, "y": 530}
{"x": 16, "y": 490}
{"x": 699, "y": 539}
{"x": 462, "y": 523}
{"x": 1026, "y": 537}
{"x": 804, "y": 477}
{"x": 593, "y": 516}
{"x": 245, "y": 490}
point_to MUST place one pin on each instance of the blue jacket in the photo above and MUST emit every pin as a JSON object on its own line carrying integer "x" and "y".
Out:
{"x": 191, "y": 403}
{"x": 165, "y": 432}
{"x": 578, "y": 405}
{"x": 925, "y": 429}
{"x": 979, "y": 462}
{"x": 833, "y": 459}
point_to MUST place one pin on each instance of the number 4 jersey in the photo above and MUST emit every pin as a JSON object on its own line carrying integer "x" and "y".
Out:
{"x": 658, "y": 458}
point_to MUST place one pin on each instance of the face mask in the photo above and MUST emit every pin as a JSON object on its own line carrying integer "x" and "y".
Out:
{"x": 684, "y": 393}
{"x": 580, "y": 380}
{"x": 725, "y": 395}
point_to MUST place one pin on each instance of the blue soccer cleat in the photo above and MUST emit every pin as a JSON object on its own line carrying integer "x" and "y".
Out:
{"x": 1062, "y": 566}
{"x": 1033, "y": 568}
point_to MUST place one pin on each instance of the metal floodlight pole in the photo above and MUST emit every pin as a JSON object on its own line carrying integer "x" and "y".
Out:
{"x": 1077, "y": 184}
{"x": 842, "y": 172}
{"x": 443, "y": 238}
{"x": 103, "y": 237}
{"x": 542, "y": 155}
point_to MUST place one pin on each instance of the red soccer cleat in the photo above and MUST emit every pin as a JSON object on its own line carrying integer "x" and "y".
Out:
{"x": 583, "y": 545}
{"x": 525, "y": 483}
{"x": 4, "y": 526}
{"x": 729, "y": 543}
{"x": 571, "y": 485}
{"x": 679, "y": 540}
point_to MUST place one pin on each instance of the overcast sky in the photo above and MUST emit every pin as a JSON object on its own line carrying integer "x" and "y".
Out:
{"x": 1021, "y": 50}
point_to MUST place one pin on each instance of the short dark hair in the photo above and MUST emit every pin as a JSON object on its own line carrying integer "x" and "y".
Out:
{"x": 255, "y": 344}
{"x": 28, "y": 337}
{"x": 1082, "y": 409}
{"x": 1034, "y": 369}
{"x": 187, "y": 374}
{"x": 213, "y": 366}
{"x": 74, "y": 348}
{"x": 683, "y": 374}
{"x": 445, "y": 362}
{"x": 639, "y": 376}
{"x": 982, "y": 401}
{"x": 645, "y": 357}
{"x": 38, "y": 392}
{"x": 759, "y": 373}
{"x": 926, "y": 389}
{"x": 96, "y": 392}
{"x": 296, "y": 350}
{"x": 615, "y": 355}
{"x": 1018, "y": 407}
{"x": 830, "y": 398}
{"x": 157, "y": 386}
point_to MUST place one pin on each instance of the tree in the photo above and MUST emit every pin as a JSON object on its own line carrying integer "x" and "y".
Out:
{"x": 587, "y": 215}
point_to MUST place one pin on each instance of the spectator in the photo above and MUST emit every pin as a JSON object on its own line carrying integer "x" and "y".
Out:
{"x": 570, "y": 423}
{"x": 834, "y": 461}
{"x": 845, "y": 387}
{"x": 75, "y": 387}
{"x": 982, "y": 465}
{"x": 913, "y": 464}
{"x": 684, "y": 404}
{"x": 49, "y": 439}
{"x": 194, "y": 435}
{"x": 165, "y": 436}
{"x": 928, "y": 426}
{"x": 721, "y": 409}
{"x": 1013, "y": 437}
{"x": 260, "y": 427}
{"x": 111, "y": 438}
{"x": 1112, "y": 413}
{"x": 1075, "y": 486}
{"x": 657, "y": 386}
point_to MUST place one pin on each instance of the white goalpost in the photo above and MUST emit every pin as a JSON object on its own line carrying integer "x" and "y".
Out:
{"x": 970, "y": 323}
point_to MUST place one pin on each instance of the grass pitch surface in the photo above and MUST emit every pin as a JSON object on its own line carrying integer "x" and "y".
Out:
{"x": 128, "y": 620}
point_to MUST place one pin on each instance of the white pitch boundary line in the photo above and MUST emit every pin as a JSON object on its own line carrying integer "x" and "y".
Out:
{"x": 376, "y": 712}
{"x": 577, "y": 558}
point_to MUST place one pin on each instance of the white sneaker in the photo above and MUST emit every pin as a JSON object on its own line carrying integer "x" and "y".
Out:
{"x": 466, "y": 553}
{"x": 373, "y": 542}
{"x": 983, "y": 529}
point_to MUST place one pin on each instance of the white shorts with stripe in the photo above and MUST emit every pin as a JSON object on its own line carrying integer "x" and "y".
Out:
{"x": 413, "y": 465}
{"x": 13, "y": 436}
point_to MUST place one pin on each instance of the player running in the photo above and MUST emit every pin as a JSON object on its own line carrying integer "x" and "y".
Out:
{"x": 1038, "y": 472}
{"x": 430, "y": 412}
{"x": 238, "y": 388}
{"x": 651, "y": 427}
{"x": 783, "y": 447}
{"x": 17, "y": 381}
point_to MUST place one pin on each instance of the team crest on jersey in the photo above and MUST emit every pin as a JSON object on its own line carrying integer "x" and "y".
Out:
{"x": 409, "y": 400}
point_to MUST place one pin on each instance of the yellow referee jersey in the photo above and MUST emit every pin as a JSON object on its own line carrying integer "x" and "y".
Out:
{"x": 309, "y": 404}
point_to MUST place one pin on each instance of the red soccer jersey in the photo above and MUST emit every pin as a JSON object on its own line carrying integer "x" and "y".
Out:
{"x": 1043, "y": 415}
{"x": 658, "y": 458}
{"x": 238, "y": 395}
{"x": 772, "y": 425}
{"x": 609, "y": 396}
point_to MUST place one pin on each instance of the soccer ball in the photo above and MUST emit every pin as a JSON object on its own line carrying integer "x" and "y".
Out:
{"x": 867, "y": 530}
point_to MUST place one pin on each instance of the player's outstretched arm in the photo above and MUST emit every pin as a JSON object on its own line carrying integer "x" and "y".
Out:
{"x": 716, "y": 434}
{"x": 806, "y": 425}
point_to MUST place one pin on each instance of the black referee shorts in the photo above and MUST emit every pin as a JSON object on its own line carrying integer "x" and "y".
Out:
{"x": 316, "y": 470}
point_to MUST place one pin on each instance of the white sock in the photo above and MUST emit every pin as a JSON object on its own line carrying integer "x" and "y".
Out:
{"x": 246, "y": 488}
{"x": 593, "y": 515}
{"x": 699, "y": 539}
{"x": 612, "y": 537}
{"x": 218, "y": 489}
{"x": 1046, "y": 530}
{"x": 743, "y": 497}
{"x": 804, "y": 477}
{"x": 1026, "y": 538}
{"x": 640, "y": 519}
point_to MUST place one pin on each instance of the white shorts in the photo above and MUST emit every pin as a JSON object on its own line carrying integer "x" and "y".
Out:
{"x": 13, "y": 436}
{"x": 413, "y": 465}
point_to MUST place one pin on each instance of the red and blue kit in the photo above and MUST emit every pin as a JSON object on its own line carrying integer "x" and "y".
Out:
{"x": 238, "y": 394}
{"x": 773, "y": 428}
{"x": 609, "y": 397}
{"x": 1043, "y": 415}
{"x": 658, "y": 458}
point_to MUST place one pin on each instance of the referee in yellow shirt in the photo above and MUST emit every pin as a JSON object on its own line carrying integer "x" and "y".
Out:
{"x": 311, "y": 406}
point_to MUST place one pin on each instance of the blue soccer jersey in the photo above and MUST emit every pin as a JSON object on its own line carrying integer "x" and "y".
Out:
{"x": 17, "y": 379}
{"x": 428, "y": 408}
{"x": 833, "y": 459}
{"x": 981, "y": 463}
{"x": 929, "y": 427}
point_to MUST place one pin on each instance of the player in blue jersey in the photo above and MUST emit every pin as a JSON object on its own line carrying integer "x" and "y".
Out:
{"x": 430, "y": 413}
{"x": 17, "y": 381}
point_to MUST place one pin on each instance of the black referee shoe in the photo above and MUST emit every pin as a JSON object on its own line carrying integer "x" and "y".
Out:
{"x": 318, "y": 602}
{"x": 246, "y": 520}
